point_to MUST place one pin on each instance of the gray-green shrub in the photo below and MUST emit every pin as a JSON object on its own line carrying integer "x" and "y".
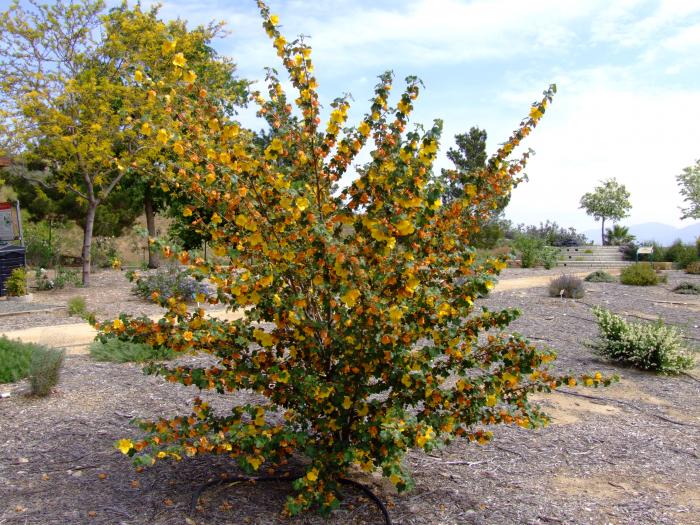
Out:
{"x": 600, "y": 276}
{"x": 687, "y": 288}
{"x": 649, "y": 346}
{"x": 45, "y": 370}
{"x": 568, "y": 286}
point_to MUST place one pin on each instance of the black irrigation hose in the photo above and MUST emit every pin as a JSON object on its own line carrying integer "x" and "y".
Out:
{"x": 233, "y": 479}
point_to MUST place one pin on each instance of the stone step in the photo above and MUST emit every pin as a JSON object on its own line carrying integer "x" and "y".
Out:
{"x": 593, "y": 264}
{"x": 592, "y": 258}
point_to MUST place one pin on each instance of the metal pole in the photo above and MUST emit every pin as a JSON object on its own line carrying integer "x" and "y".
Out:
{"x": 19, "y": 224}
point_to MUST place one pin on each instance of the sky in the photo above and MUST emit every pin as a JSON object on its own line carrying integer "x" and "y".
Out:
{"x": 628, "y": 102}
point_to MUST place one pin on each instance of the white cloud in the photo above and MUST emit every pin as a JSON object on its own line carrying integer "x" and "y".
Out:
{"x": 598, "y": 129}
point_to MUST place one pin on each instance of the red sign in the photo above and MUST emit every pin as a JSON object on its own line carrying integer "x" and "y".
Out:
{"x": 5, "y": 206}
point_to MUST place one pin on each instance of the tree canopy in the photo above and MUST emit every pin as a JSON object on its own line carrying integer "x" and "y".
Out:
{"x": 609, "y": 201}
{"x": 72, "y": 82}
{"x": 689, "y": 182}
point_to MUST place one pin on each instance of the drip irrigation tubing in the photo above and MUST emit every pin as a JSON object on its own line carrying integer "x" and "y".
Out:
{"x": 252, "y": 479}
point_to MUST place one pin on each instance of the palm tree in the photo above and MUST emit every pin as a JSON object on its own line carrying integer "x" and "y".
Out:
{"x": 618, "y": 236}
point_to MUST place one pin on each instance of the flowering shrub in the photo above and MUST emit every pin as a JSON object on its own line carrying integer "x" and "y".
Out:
{"x": 647, "y": 346}
{"x": 358, "y": 328}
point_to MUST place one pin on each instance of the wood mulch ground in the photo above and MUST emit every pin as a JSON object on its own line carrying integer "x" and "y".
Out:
{"x": 628, "y": 454}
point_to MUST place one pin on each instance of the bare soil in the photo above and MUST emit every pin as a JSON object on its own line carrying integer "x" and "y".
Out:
{"x": 628, "y": 454}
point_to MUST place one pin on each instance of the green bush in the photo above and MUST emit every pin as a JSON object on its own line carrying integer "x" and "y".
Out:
{"x": 568, "y": 286}
{"x": 549, "y": 256}
{"x": 117, "y": 351}
{"x": 693, "y": 268}
{"x": 16, "y": 283}
{"x": 45, "y": 370}
{"x": 688, "y": 288}
{"x": 681, "y": 254}
{"x": 654, "y": 346}
{"x": 77, "y": 306}
{"x": 600, "y": 276}
{"x": 66, "y": 276}
{"x": 15, "y": 358}
{"x": 640, "y": 274}
{"x": 529, "y": 248}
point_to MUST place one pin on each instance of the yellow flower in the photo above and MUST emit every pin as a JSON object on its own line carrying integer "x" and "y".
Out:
{"x": 312, "y": 475}
{"x": 535, "y": 112}
{"x": 187, "y": 336}
{"x": 179, "y": 148}
{"x": 125, "y": 445}
{"x": 163, "y": 136}
{"x": 190, "y": 76}
{"x": 347, "y": 403}
{"x": 187, "y": 212}
{"x": 169, "y": 46}
{"x": 490, "y": 400}
{"x": 405, "y": 227}
{"x": 364, "y": 129}
{"x": 302, "y": 203}
{"x": 395, "y": 314}
{"x": 255, "y": 462}
{"x": 118, "y": 324}
{"x": 412, "y": 284}
{"x": 138, "y": 76}
{"x": 216, "y": 218}
{"x": 274, "y": 19}
{"x": 350, "y": 297}
{"x": 179, "y": 60}
{"x": 145, "y": 129}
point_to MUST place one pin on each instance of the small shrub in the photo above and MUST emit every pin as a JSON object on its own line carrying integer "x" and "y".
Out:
{"x": 103, "y": 251}
{"x": 77, "y": 306}
{"x": 693, "y": 268}
{"x": 568, "y": 286}
{"x": 15, "y": 358}
{"x": 42, "y": 281}
{"x": 687, "y": 288}
{"x": 66, "y": 276}
{"x": 171, "y": 283}
{"x": 600, "y": 276}
{"x": 640, "y": 274}
{"x": 118, "y": 351}
{"x": 549, "y": 257}
{"x": 16, "y": 283}
{"x": 45, "y": 370}
{"x": 654, "y": 346}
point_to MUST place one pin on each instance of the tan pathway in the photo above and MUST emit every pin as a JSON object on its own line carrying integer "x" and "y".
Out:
{"x": 75, "y": 338}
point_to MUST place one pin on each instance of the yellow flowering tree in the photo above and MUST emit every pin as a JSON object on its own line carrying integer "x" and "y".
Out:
{"x": 359, "y": 331}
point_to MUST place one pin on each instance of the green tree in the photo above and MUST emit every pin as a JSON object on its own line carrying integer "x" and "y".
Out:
{"x": 150, "y": 45}
{"x": 72, "y": 83}
{"x": 610, "y": 201}
{"x": 689, "y": 182}
{"x": 469, "y": 158}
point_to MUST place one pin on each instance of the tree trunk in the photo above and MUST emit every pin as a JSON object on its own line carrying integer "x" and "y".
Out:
{"x": 602, "y": 232}
{"x": 87, "y": 240}
{"x": 153, "y": 261}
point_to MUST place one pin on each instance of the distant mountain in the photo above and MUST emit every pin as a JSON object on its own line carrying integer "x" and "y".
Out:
{"x": 663, "y": 234}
